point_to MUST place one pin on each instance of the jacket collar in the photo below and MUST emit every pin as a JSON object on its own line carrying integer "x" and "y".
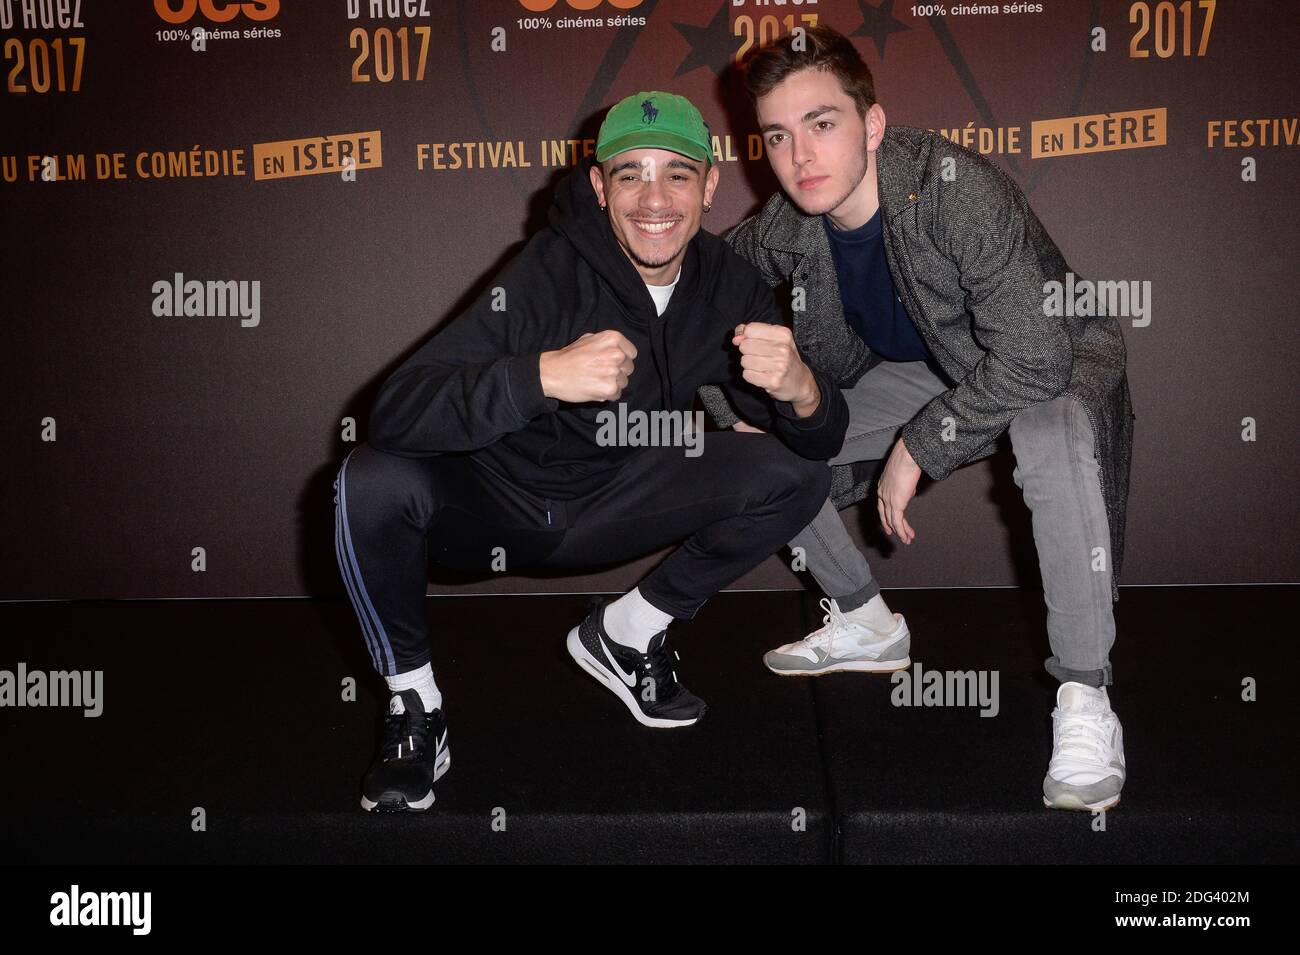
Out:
{"x": 899, "y": 169}
{"x": 898, "y": 183}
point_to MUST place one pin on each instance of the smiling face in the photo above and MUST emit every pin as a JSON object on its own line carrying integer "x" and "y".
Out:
{"x": 822, "y": 151}
{"x": 654, "y": 200}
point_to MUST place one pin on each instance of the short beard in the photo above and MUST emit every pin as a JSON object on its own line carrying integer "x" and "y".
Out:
{"x": 646, "y": 263}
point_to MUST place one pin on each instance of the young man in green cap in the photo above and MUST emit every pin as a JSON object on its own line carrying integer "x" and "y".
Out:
{"x": 923, "y": 273}
{"x": 496, "y": 440}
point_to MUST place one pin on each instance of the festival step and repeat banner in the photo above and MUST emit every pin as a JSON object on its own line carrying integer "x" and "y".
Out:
{"x": 225, "y": 223}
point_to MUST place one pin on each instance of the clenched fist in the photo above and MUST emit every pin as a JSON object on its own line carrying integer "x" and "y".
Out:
{"x": 771, "y": 360}
{"x": 593, "y": 367}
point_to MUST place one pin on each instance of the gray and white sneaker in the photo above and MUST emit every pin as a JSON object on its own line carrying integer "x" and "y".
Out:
{"x": 1087, "y": 766}
{"x": 843, "y": 645}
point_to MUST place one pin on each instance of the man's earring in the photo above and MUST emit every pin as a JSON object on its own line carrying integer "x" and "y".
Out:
{"x": 708, "y": 206}
{"x": 602, "y": 207}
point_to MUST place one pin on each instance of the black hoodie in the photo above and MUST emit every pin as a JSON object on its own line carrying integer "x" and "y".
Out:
{"x": 475, "y": 386}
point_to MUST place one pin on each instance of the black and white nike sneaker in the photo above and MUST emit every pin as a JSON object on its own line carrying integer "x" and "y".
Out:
{"x": 411, "y": 758}
{"x": 646, "y": 682}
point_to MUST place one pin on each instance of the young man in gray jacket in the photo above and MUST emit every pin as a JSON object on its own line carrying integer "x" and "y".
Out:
{"x": 919, "y": 276}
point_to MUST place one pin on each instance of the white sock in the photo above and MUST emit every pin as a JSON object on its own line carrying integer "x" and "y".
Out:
{"x": 633, "y": 621}
{"x": 421, "y": 681}
{"x": 874, "y": 614}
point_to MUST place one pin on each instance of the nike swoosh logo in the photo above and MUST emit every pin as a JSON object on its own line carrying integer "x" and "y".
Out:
{"x": 626, "y": 678}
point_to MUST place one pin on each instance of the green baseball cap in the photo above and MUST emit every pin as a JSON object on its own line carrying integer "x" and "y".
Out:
{"x": 655, "y": 120}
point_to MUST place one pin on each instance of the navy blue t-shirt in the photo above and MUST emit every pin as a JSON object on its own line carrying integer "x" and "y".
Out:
{"x": 871, "y": 306}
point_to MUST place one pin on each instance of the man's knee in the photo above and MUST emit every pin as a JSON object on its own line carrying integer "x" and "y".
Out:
{"x": 778, "y": 466}
{"x": 801, "y": 483}
{"x": 372, "y": 482}
{"x": 1050, "y": 433}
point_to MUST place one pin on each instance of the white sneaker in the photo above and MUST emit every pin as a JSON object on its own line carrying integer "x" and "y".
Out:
{"x": 843, "y": 644}
{"x": 1087, "y": 766}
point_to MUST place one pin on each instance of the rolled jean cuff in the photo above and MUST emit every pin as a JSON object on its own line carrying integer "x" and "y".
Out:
{"x": 1096, "y": 678}
{"x": 859, "y": 597}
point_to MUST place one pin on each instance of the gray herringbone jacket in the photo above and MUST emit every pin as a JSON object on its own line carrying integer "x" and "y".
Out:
{"x": 969, "y": 259}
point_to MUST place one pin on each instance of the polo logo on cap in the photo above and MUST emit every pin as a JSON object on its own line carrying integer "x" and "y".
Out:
{"x": 648, "y": 112}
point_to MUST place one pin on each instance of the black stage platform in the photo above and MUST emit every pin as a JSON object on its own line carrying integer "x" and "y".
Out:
{"x": 235, "y": 706}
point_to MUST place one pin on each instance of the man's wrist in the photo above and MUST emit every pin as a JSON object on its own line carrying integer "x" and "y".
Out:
{"x": 524, "y": 383}
{"x": 542, "y": 359}
{"x": 806, "y": 405}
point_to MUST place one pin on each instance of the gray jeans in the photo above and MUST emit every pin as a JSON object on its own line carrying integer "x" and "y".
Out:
{"x": 1058, "y": 474}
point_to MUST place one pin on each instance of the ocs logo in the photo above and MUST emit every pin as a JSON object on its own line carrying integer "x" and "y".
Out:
{"x": 541, "y": 6}
{"x": 218, "y": 11}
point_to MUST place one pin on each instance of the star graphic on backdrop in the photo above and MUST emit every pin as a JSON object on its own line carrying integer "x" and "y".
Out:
{"x": 711, "y": 46}
{"x": 878, "y": 23}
